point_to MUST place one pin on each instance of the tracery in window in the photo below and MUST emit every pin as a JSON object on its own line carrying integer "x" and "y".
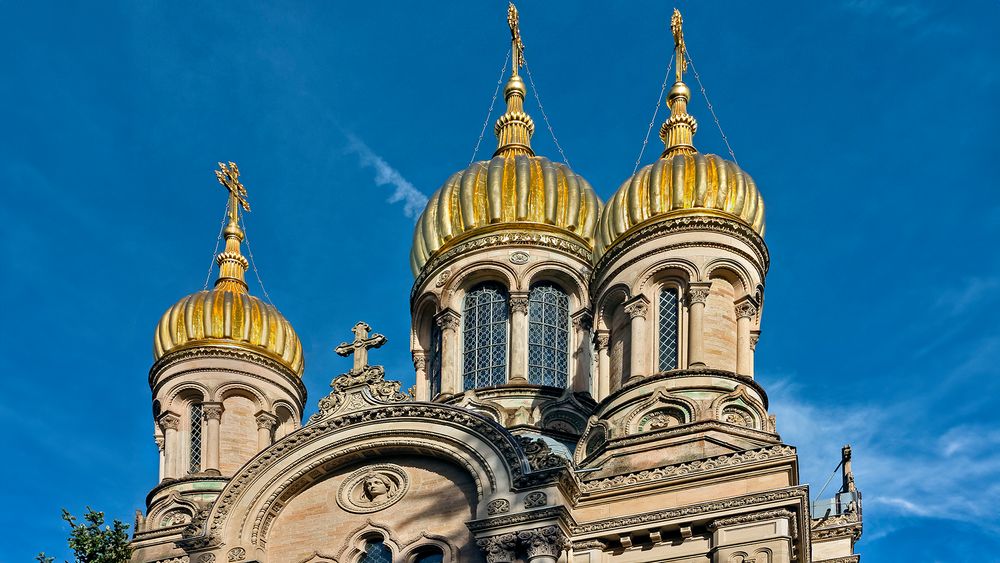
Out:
{"x": 485, "y": 320}
{"x": 548, "y": 335}
{"x": 376, "y": 552}
{"x": 195, "y": 452}
{"x": 668, "y": 313}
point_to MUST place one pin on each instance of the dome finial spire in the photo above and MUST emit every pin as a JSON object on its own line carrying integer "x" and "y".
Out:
{"x": 232, "y": 264}
{"x": 514, "y": 128}
{"x": 677, "y": 132}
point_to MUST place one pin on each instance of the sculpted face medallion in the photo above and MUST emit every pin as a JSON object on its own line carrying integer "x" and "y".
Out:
{"x": 372, "y": 488}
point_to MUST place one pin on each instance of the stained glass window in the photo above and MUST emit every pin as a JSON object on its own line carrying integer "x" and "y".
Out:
{"x": 484, "y": 317}
{"x": 196, "y": 423}
{"x": 376, "y": 552}
{"x": 434, "y": 361}
{"x": 668, "y": 333}
{"x": 548, "y": 335}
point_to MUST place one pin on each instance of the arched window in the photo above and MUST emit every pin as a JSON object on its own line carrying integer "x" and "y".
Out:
{"x": 376, "y": 552}
{"x": 668, "y": 312}
{"x": 429, "y": 555}
{"x": 195, "y": 452}
{"x": 484, "y": 316}
{"x": 548, "y": 335}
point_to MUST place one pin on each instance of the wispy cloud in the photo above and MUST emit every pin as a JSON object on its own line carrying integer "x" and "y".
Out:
{"x": 909, "y": 465}
{"x": 385, "y": 175}
{"x": 973, "y": 291}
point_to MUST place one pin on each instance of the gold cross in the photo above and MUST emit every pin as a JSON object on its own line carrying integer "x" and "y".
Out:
{"x": 229, "y": 177}
{"x": 359, "y": 348}
{"x": 515, "y": 36}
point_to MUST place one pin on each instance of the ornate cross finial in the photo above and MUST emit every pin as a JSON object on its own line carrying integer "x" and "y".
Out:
{"x": 677, "y": 28}
{"x": 359, "y": 348}
{"x": 229, "y": 177}
{"x": 517, "y": 46}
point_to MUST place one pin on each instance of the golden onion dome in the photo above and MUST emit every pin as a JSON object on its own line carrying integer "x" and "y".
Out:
{"x": 683, "y": 181}
{"x": 228, "y": 315}
{"x": 513, "y": 189}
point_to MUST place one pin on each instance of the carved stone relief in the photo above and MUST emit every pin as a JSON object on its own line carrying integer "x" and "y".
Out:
{"x": 498, "y": 506}
{"x": 535, "y": 499}
{"x": 373, "y": 488}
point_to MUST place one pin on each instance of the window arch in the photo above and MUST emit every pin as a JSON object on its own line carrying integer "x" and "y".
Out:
{"x": 484, "y": 315}
{"x": 668, "y": 312}
{"x": 548, "y": 335}
{"x": 376, "y": 551}
{"x": 194, "y": 453}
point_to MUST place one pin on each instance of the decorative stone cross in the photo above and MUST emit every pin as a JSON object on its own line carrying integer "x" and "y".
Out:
{"x": 359, "y": 348}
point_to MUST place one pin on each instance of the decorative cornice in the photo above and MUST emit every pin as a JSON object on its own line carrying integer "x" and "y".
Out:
{"x": 852, "y": 531}
{"x": 791, "y": 493}
{"x": 848, "y": 559}
{"x": 515, "y": 519}
{"x": 639, "y": 381}
{"x": 670, "y": 224}
{"x": 751, "y": 517}
{"x": 526, "y": 236}
{"x": 226, "y": 352}
{"x": 629, "y": 480}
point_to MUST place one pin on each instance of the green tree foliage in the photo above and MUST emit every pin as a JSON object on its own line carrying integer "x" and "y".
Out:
{"x": 94, "y": 542}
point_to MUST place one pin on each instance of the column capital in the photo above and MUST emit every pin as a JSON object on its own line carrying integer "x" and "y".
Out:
{"x": 169, "y": 421}
{"x": 212, "y": 411}
{"x": 420, "y": 360}
{"x": 159, "y": 442}
{"x": 637, "y": 307}
{"x": 519, "y": 302}
{"x": 448, "y": 319}
{"x": 746, "y": 307}
{"x": 601, "y": 339}
{"x": 698, "y": 292}
{"x": 498, "y": 549}
{"x": 754, "y": 338}
{"x": 266, "y": 420}
{"x": 583, "y": 320}
{"x": 549, "y": 541}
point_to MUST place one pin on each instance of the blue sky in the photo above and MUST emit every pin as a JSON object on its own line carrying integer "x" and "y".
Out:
{"x": 868, "y": 125}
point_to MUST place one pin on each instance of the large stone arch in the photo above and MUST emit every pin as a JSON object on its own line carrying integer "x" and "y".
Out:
{"x": 469, "y": 450}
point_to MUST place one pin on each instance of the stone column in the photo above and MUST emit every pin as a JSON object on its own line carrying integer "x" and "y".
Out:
{"x": 543, "y": 545}
{"x": 266, "y": 423}
{"x": 499, "y": 549}
{"x": 583, "y": 322}
{"x": 169, "y": 423}
{"x": 697, "y": 295}
{"x": 448, "y": 322}
{"x": 602, "y": 339}
{"x": 159, "y": 448}
{"x": 746, "y": 310}
{"x": 518, "y": 338}
{"x": 213, "y": 417}
{"x": 423, "y": 381}
{"x": 637, "y": 308}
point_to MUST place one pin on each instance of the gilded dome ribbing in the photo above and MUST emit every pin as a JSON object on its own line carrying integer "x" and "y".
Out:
{"x": 515, "y": 189}
{"x": 683, "y": 181}
{"x": 228, "y": 315}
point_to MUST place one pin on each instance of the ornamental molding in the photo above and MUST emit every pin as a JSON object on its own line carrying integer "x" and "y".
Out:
{"x": 753, "y": 517}
{"x": 228, "y": 352}
{"x": 510, "y": 451}
{"x": 498, "y": 506}
{"x": 357, "y": 391}
{"x": 838, "y": 520}
{"x": 848, "y": 559}
{"x": 535, "y": 499}
{"x": 670, "y": 225}
{"x": 643, "y": 380}
{"x": 797, "y": 494}
{"x": 510, "y": 238}
{"x": 628, "y": 480}
{"x": 516, "y": 519}
{"x": 852, "y": 531}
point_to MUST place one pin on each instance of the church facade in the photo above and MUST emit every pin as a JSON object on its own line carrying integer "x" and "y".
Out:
{"x": 584, "y": 390}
